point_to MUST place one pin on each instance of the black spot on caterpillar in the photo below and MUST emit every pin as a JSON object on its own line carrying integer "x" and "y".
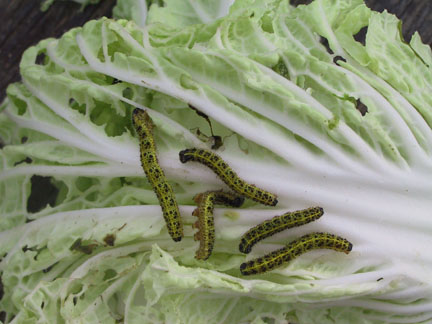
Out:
{"x": 294, "y": 249}
{"x": 155, "y": 175}
{"x": 222, "y": 169}
{"x": 205, "y": 222}
{"x": 278, "y": 224}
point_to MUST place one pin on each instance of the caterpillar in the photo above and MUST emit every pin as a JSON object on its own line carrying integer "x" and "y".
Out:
{"x": 294, "y": 249}
{"x": 222, "y": 169}
{"x": 205, "y": 222}
{"x": 155, "y": 175}
{"x": 278, "y": 224}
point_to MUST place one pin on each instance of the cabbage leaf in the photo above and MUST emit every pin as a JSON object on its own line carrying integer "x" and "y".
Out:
{"x": 305, "y": 111}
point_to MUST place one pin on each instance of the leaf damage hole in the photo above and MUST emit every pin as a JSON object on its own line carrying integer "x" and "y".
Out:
{"x": 26, "y": 160}
{"x": 76, "y": 106}
{"x": 109, "y": 239}
{"x": 35, "y": 248}
{"x": 20, "y": 104}
{"x": 217, "y": 141}
{"x": 104, "y": 114}
{"x": 85, "y": 247}
{"x": 41, "y": 59}
{"x": 281, "y": 69}
{"x": 361, "y": 107}
{"x": 109, "y": 274}
{"x": 43, "y": 193}
{"x": 361, "y": 35}
{"x": 338, "y": 58}
{"x": 128, "y": 93}
{"x": 296, "y": 3}
{"x": 48, "y": 269}
{"x": 325, "y": 43}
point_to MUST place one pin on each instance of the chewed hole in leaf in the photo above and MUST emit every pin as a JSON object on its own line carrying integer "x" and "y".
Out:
{"x": 296, "y": 3}
{"x": 337, "y": 59}
{"x": 63, "y": 191}
{"x": 109, "y": 274}
{"x": 269, "y": 320}
{"x": 21, "y": 105}
{"x": 76, "y": 106}
{"x": 361, "y": 107}
{"x": 281, "y": 69}
{"x": 104, "y": 114}
{"x": 76, "y": 288}
{"x": 85, "y": 246}
{"x": 93, "y": 196}
{"x": 26, "y": 160}
{"x": 35, "y": 248}
{"x": 41, "y": 59}
{"x": 101, "y": 55}
{"x": 128, "y": 93}
{"x": 109, "y": 239}
{"x": 83, "y": 183}
{"x": 48, "y": 269}
{"x": 361, "y": 36}
{"x": 43, "y": 193}
{"x": 325, "y": 43}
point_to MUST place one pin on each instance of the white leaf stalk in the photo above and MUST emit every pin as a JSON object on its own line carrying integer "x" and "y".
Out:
{"x": 296, "y": 134}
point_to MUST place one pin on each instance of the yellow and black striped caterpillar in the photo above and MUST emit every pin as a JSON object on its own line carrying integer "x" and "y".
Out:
{"x": 205, "y": 222}
{"x": 294, "y": 249}
{"x": 278, "y": 224}
{"x": 155, "y": 175}
{"x": 222, "y": 169}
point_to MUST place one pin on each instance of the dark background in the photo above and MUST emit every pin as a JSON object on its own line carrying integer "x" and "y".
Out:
{"x": 23, "y": 24}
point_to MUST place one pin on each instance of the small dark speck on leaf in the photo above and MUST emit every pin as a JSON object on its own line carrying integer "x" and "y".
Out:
{"x": 361, "y": 107}
{"x": 109, "y": 239}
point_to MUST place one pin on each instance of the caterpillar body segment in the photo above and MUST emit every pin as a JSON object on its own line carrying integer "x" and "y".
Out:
{"x": 294, "y": 249}
{"x": 205, "y": 223}
{"x": 278, "y": 224}
{"x": 227, "y": 175}
{"x": 155, "y": 175}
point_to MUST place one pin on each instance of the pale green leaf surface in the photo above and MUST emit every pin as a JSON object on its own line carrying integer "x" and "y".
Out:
{"x": 287, "y": 109}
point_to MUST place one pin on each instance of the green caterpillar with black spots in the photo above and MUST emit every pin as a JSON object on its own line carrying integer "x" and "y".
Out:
{"x": 155, "y": 175}
{"x": 227, "y": 175}
{"x": 293, "y": 250}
